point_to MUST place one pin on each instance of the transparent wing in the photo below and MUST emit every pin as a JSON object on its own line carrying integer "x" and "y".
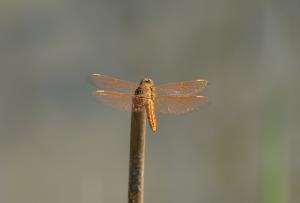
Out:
{"x": 112, "y": 84}
{"x": 179, "y": 104}
{"x": 191, "y": 87}
{"x": 118, "y": 100}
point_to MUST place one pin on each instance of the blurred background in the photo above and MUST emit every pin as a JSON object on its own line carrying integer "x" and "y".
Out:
{"x": 57, "y": 144}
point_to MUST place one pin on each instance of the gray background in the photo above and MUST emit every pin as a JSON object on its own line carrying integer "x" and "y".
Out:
{"x": 57, "y": 144}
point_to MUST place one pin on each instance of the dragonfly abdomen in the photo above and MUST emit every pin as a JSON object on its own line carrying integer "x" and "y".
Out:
{"x": 150, "y": 109}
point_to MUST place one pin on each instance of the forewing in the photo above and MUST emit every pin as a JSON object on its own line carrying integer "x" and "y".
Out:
{"x": 179, "y": 104}
{"x": 104, "y": 82}
{"x": 118, "y": 100}
{"x": 191, "y": 87}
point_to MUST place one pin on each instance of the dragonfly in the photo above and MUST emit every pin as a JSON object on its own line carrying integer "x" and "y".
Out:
{"x": 169, "y": 98}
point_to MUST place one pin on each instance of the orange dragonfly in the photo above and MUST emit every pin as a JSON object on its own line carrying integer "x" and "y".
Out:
{"x": 170, "y": 98}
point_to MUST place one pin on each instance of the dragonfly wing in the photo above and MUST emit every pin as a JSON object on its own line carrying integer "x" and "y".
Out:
{"x": 112, "y": 84}
{"x": 191, "y": 87}
{"x": 119, "y": 100}
{"x": 179, "y": 104}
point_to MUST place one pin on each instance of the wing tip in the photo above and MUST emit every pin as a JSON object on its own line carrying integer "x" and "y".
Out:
{"x": 96, "y": 74}
{"x": 99, "y": 91}
{"x": 203, "y": 81}
{"x": 201, "y": 97}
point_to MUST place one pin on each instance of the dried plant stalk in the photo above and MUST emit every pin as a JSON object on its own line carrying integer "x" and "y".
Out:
{"x": 137, "y": 157}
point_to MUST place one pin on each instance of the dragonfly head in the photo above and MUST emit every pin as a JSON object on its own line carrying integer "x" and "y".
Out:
{"x": 147, "y": 82}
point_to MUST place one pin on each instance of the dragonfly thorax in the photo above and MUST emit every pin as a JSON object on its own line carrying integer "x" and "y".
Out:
{"x": 138, "y": 91}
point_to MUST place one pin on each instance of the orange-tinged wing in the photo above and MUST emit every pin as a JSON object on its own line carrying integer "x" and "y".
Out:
{"x": 179, "y": 104}
{"x": 118, "y": 100}
{"x": 191, "y": 87}
{"x": 104, "y": 82}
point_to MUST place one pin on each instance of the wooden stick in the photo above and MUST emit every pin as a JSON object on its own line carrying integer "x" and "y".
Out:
{"x": 137, "y": 157}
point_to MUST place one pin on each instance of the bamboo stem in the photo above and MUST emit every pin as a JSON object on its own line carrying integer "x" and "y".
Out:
{"x": 137, "y": 157}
